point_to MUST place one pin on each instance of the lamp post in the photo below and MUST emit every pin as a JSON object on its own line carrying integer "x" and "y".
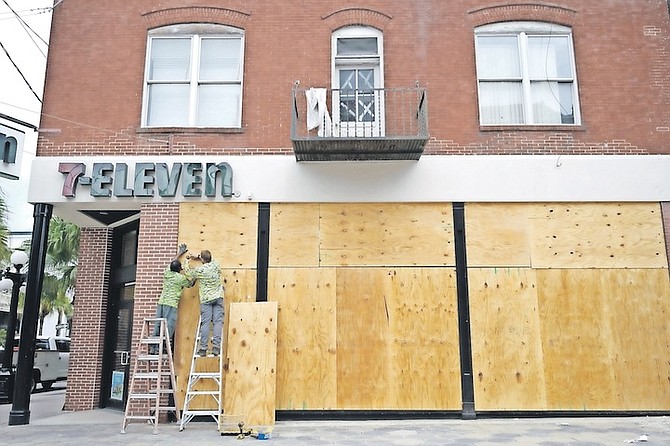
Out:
{"x": 20, "y": 413}
{"x": 14, "y": 281}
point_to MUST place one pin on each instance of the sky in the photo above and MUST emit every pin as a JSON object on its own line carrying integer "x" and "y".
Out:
{"x": 28, "y": 51}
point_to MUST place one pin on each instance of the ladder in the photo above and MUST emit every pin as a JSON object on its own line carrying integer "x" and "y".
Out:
{"x": 203, "y": 381}
{"x": 153, "y": 378}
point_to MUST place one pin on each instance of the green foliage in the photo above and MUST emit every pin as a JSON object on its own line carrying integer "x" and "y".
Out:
{"x": 4, "y": 230}
{"x": 60, "y": 269}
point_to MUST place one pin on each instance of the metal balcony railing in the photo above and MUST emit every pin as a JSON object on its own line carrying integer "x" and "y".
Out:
{"x": 372, "y": 124}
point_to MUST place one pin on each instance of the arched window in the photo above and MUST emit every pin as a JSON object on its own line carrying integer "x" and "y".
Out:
{"x": 358, "y": 81}
{"x": 193, "y": 76}
{"x": 526, "y": 74}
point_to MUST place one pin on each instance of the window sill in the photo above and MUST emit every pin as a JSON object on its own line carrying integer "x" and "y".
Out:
{"x": 532, "y": 128}
{"x": 188, "y": 130}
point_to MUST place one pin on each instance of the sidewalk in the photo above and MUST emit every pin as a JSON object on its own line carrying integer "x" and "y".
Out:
{"x": 103, "y": 426}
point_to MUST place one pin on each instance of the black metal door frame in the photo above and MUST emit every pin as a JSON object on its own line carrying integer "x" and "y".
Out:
{"x": 119, "y": 318}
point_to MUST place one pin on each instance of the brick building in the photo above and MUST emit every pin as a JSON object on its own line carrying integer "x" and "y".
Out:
{"x": 458, "y": 206}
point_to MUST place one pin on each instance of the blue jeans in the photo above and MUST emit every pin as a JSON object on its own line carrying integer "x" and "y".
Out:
{"x": 169, "y": 313}
{"x": 211, "y": 313}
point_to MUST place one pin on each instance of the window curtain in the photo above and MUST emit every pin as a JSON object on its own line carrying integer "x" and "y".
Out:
{"x": 499, "y": 71}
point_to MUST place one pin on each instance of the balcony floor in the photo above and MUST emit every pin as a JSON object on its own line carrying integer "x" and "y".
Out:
{"x": 358, "y": 149}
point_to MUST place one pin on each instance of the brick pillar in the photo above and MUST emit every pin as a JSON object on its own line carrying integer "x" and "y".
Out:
{"x": 88, "y": 321}
{"x": 156, "y": 245}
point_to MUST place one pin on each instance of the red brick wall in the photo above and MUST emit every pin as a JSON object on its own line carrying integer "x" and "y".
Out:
{"x": 88, "y": 321}
{"x": 157, "y": 245}
{"x": 622, "y": 51}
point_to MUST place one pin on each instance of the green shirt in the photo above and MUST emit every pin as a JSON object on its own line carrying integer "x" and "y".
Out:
{"x": 173, "y": 284}
{"x": 209, "y": 275}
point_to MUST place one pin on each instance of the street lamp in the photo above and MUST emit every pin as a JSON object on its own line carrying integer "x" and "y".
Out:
{"x": 11, "y": 281}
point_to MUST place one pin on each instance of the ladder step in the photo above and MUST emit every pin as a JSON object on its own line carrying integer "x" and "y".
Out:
{"x": 153, "y": 394}
{"x": 200, "y": 412}
{"x": 140, "y": 417}
{"x": 151, "y": 375}
{"x": 151, "y": 340}
{"x": 149, "y": 357}
{"x": 202, "y": 392}
{"x": 205, "y": 375}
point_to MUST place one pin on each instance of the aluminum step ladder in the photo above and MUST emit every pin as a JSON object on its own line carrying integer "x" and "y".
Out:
{"x": 205, "y": 384}
{"x": 153, "y": 378}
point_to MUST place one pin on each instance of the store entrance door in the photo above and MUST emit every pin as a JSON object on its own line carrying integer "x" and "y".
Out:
{"x": 119, "y": 326}
{"x": 117, "y": 377}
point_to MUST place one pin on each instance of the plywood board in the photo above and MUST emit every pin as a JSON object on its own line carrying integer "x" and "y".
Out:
{"x": 306, "y": 337}
{"x": 508, "y": 363}
{"x": 597, "y": 235}
{"x": 294, "y": 235}
{"x": 423, "y": 339}
{"x": 386, "y": 234}
{"x": 228, "y": 230}
{"x": 252, "y": 349}
{"x": 634, "y": 329}
{"x": 497, "y": 234}
{"x": 639, "y": 302}
{"x": 574, "y": 308}
{"x": 362, "y": 334}
{"x": 397, "y": 339}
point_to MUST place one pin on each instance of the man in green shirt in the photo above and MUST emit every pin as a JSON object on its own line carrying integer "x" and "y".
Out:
{"x": 173, "y": 284}
{"x": 211, "y": 301}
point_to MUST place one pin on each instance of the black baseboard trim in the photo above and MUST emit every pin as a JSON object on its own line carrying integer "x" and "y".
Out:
{"x": 317, "y": 415}
{"x": 342, "y": 415}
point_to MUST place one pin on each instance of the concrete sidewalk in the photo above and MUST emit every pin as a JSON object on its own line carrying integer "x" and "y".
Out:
{"x": 103, "y": 427}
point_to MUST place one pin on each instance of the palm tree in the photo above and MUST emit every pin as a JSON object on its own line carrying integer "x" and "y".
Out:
{"x": 63, "y": 251}
{"x": 53, "y": 299}
{"x": 4, "y": 230}
{"x": 60, "y": 270}
{"x": 62, "y": 256}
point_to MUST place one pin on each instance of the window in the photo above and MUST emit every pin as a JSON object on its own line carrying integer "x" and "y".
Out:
{"x": 526, "y": 74}
{"x": 193, "y": 76}
{"x": 358, "y": 102}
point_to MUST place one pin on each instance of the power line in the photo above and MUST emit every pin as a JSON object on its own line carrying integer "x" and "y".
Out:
{"x": 81, "y": 124}
{"x": 19, "y": 71}
{"x": 27, "y": 27}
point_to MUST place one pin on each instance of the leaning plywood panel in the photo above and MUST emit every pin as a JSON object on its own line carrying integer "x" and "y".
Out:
{"x": 497, "y": 234}
{"x": 228, "y": 230}
{"x": 397, "y": 341}
{"x": 386, "y": 234}
{"x": 251, "y": 376}
{"x": 508, "y": 362}
{"x": 306, "y": 337}
{"x": 597, "y": 235}
{"x": 575, "y": 318}
{"x": 294, "y": 235}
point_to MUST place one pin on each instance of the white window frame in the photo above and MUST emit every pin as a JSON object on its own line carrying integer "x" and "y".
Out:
{"x": 196, "y": 33}
{"x": 522, "y": 30}
{"x": 372, "y": 61}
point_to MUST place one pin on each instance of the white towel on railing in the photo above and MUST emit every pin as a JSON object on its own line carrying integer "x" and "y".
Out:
{"x": 317, "y": 112}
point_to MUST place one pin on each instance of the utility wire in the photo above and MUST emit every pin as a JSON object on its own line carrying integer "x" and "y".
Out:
{"x": 27, "y": 27}
{"x": 19, "y": 70}
{"x": 81, "y": 124}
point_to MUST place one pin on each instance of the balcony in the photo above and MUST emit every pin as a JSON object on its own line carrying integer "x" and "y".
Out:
{"x": 373, "y": 124}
